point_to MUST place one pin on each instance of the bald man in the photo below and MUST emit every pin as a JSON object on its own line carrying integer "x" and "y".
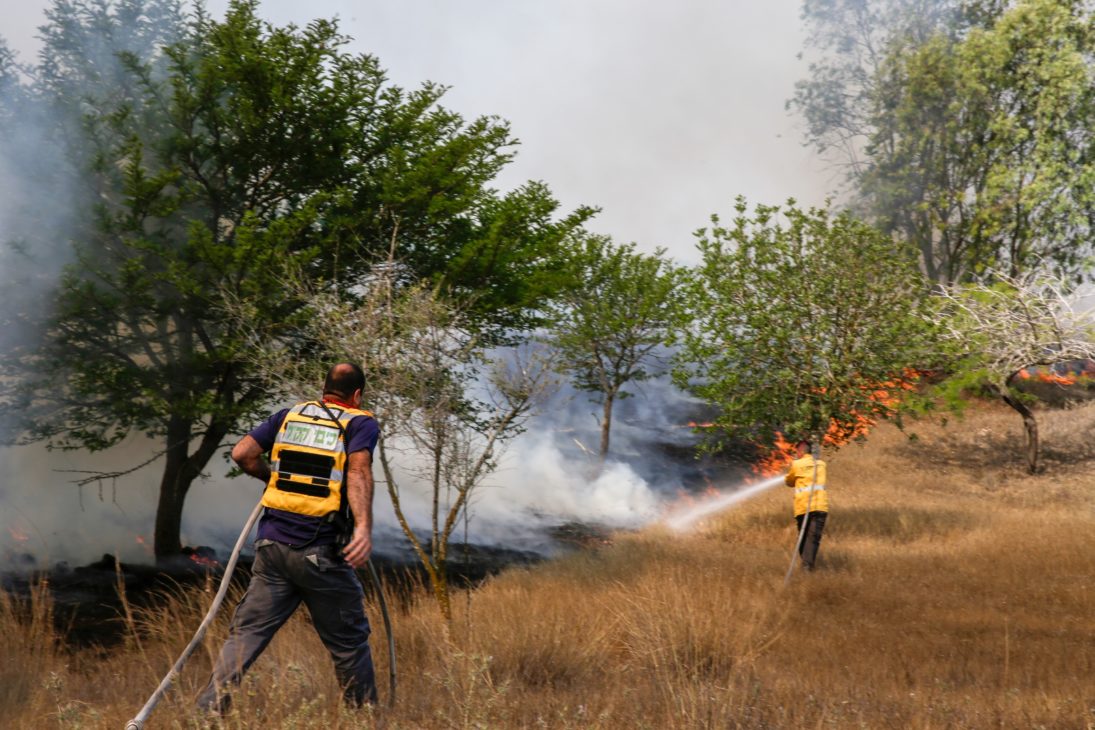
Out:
{"x": 315, "y": 529}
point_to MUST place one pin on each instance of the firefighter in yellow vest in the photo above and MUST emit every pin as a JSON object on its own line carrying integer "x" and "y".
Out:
{"x": 315, "y": 529}
{"x": 808, "y": 479}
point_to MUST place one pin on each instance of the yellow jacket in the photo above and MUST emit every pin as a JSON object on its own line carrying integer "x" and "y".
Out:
{"x": 800, "y": 477}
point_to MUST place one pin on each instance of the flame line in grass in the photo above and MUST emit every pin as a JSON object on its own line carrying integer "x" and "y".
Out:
{"x": 689, "y": 517}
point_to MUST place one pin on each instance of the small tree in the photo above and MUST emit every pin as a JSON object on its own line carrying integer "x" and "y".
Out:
{"x": 992, "y": 333}
{"x": 607, "y": 326}
{"x": 445, "y": 405}
{"x": 799, "y": 317}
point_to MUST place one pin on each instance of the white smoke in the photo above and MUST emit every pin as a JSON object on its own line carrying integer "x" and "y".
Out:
{"x": 558, "y": 487}
{"x": 44, "y": 206}
{"x": 549, "y": 477}
{"x": 543, "y": 480}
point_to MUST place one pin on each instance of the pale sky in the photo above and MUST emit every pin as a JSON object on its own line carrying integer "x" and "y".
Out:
{"x": 659, "y": 113}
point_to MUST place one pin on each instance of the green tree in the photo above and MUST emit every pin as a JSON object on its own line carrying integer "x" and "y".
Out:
{"x": 848, "y": 42}
{"x": 982, "y": 156}
{"x": 258, "y": 149}
{"x": 44, "y": 154}
{"x": 607, "y": 326}
{"x": 965, "y": 125}
{"x": 799, "y": 317}
{"x": 8, "y": 77}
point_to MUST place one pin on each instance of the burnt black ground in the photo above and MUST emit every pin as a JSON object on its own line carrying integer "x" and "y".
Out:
{"x": 88, "y": 610}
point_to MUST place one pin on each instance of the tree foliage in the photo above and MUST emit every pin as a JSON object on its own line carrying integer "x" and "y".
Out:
{"x": 848, "y": 42}
{"x": 607, "y": 326}
{"x": 982, "y": 153}
{"x": 800, "y": 317}
{"x": 8, "y": 77}
{"x": 966, "y": 126}
{"x": 215, "y": 163}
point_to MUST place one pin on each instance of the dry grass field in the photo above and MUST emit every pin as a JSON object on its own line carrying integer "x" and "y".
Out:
{"x": 953, "y": 591}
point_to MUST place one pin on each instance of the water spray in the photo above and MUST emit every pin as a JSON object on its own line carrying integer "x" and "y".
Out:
{"x": 690, "y": 517}
{"x": 137, "y": 723}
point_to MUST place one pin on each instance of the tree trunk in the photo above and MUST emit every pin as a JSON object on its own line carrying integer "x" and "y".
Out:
{"x": 173, "y": 491}
{"x": 435, "y": 569}
{"x": 180, "y": 470}
{"x": 173, "y": 488}
{"x": 1034, "y": 447}
{"x": 606, "y": 424}
{"x": 439, "y": 579}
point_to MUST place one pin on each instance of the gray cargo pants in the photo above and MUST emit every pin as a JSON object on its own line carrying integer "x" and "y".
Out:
{"x": 282, "y": 577}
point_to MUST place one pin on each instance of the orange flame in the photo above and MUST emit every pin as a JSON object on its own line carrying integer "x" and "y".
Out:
{"x": 1049, "y": 376}
{"x": 886, "y": 394}
{"x": 143, "y": 543}
{"x": 18, "y": 535}
{"x": 777, "y": 460}
{"x": 204, "y": 562}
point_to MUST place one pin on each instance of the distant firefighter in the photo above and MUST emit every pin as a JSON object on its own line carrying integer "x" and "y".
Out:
{"x": 811, "y": 501}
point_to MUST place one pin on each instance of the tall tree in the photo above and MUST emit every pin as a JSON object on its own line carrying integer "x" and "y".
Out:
{"x": 848, "y": 42}
{"x": 44, "y": 151}
{"x": 259, "y": 147}
{"x": 966, "y": 126}
{"x": 800, "y": 317}
{"x": 982, "y": 154}
{"x": 608, "y": 325}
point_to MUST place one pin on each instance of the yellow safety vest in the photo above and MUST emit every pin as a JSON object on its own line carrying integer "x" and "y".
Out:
{"x": 800, "y": 477}
{"x": 308, "y": 459}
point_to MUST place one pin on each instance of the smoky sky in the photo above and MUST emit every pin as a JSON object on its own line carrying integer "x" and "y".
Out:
{"x": 658, "y": 113}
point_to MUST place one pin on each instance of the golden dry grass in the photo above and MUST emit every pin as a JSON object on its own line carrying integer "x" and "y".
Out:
{"x": 954, "y": 591}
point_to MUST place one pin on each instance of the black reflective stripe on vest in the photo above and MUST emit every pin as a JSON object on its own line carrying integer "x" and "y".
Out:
{"x": 307, "y": 488}
{"x": 304, "y": 463}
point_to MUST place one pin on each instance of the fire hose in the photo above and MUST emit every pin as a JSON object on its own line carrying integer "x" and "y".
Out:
{"x": 806, "y": 517}
{"x": 137, "y": 723}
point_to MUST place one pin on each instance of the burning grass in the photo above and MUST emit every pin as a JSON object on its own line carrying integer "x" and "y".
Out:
{"x": 955, "y": 591}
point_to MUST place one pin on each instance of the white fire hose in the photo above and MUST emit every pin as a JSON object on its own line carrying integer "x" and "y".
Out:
{"x": 137, "y": 723}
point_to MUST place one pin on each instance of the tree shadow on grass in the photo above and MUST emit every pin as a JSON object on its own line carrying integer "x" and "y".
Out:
{"x": 899, "y": 525}
{"x": 1061, "y": 454}
{"x": 958, "y": 448}
{"x": 961, "y": 445}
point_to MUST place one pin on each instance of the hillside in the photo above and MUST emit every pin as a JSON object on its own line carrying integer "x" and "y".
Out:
{"x": 954, "y": 591}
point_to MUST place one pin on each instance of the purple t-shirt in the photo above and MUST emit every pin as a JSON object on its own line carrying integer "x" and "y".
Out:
{"x": 296, "y": 529}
